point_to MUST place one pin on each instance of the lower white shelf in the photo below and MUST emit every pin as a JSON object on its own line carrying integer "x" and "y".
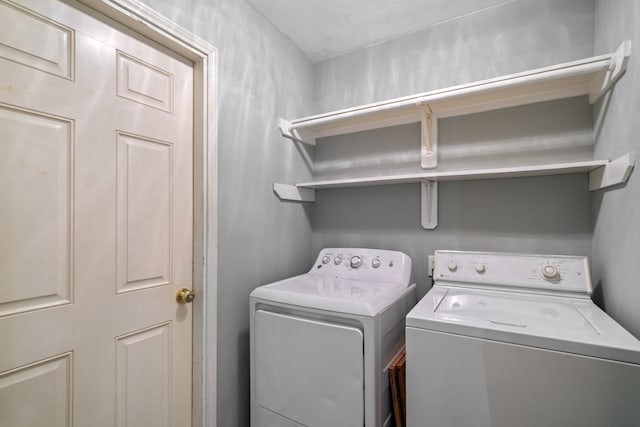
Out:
{"x": 460, "y": 175}
{"x": 602, "y": 174}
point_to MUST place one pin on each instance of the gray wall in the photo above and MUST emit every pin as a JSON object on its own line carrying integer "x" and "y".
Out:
{"x": 514, "y": 37}
{"x": 616, "y": 212}
{"x": 544, "y": 215}
{"x": 262, "y": 76}
{"x": 496, "y": 215}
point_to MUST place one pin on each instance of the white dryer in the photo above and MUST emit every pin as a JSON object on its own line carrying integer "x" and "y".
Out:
{"x": 504, "y": 340}
{"x": 321, "y": 342}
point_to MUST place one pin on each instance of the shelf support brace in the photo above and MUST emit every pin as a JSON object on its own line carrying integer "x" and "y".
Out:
{"x": 429, "y": 204}
{"x": 300, "y": 135}
{"x": 616, "y": 172}
{"x": 617, "y": 67}
{"x": 293, "y": 193}
{"x": 429, "y": 137}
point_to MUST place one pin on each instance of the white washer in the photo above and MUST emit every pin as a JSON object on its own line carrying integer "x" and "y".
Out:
{"x": 321, "y": 342}
{"x": 505, "y": 340}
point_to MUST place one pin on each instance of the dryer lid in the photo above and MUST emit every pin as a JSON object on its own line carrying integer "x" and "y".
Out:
{"x": 334, "y": 293}
{"x": 562, "y": 323}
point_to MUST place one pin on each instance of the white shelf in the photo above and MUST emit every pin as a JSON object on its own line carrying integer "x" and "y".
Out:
{"x": 508, "y": 172}
{"x": 602, "y": 174}
{"x": 591, "y": 76}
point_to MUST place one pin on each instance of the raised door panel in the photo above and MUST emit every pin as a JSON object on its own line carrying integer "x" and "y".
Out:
{"x": 143, "y": 378}
{"x": 32, "y": 40}
{"x": 144, "y": 212}
{"x": 144, "y": 83}
{"x": 36, "y": 169}
{"x": 38, "y": 394}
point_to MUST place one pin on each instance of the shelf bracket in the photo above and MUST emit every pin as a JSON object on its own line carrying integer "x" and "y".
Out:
{"x": 300, "y": 135}
{"x": 617, "y": 67}
{"x": 428, "y": 136}
{"x": 616, "y": 172}
{"x": 293, "y": 193}
{"x": 429, "y": 204}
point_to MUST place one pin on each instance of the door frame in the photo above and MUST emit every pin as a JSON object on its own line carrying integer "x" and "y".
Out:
{"x": 144, "y": 20}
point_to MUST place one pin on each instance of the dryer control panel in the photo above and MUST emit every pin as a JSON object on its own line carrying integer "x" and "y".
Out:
{"x": 542, "y": 272}
{"x": 364, "y": 264}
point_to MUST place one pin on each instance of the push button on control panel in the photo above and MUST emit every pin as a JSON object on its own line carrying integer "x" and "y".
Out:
{"x": 356, "y": 261}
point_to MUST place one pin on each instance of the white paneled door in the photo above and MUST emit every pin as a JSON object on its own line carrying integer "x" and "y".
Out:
{"x": 96, "y": 146}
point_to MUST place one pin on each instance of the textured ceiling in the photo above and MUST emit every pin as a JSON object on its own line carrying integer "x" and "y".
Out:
{"x": 326, "y": 28}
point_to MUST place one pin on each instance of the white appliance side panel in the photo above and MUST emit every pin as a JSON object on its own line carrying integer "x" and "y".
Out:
{"x": 455, "y": 381}
{"x": 308, "y": 371}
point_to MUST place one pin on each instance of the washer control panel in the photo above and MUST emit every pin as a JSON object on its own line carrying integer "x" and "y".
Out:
{"x": 544, "y": 272}
{"x": 364, "y": 264}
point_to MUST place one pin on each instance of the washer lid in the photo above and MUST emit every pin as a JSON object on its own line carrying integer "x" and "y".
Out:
{"x": 574, "y": 325}
{"x": 339, "y": 294}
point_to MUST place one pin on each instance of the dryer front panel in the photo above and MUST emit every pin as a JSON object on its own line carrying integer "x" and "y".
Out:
{"x": 309, "y": 371}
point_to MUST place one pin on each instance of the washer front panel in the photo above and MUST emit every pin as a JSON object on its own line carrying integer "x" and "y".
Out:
{"x": 455, "y": 381}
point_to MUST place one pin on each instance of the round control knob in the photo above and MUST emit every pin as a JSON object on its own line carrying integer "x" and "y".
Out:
{"x": 375, "y": 263}
{"x": 480, "y": 268}
{"x": 326, "y": 259}
{"x": 550, "y": 272}
{"x": 452, "y": 266}
{"x": 356, "y": 261}
{"x": 337, "y": 260}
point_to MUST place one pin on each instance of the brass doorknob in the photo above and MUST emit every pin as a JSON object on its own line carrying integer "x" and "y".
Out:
{"x": 185, "y": 296}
